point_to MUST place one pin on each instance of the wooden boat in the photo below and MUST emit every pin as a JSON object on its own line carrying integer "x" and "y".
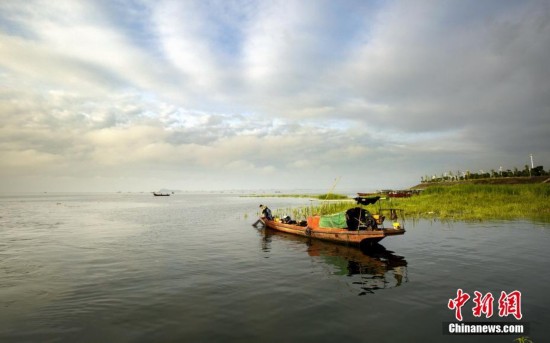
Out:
{"x": 161, "y": 194}
{"x": 400, "y": 194}
{"x": 345, "y": 236}
{"x": 368, "y": 229}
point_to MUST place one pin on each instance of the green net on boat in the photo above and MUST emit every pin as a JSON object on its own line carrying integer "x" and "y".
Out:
{"x": 337, "y": 220}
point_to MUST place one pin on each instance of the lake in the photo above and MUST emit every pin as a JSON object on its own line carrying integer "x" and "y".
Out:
{"x": 191, "y": 268}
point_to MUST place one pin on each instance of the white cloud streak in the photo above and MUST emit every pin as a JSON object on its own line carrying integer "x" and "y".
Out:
{"x": 289, "y": 93}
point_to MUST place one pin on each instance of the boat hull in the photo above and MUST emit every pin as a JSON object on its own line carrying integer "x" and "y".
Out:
{"x": 343, "y": 236}
{"x": 393, "y": 232}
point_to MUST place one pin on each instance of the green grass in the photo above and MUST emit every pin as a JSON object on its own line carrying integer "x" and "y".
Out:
{"x": 326, "y": 196}
{"x": 467, "y": 202}
{"x": 331, "y": 196}
{"x": 328, "y": 207}
{"x": 480, "y": 202}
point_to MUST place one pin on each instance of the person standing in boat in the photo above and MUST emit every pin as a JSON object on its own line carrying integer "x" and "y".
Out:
{"x": 266, "y": 212}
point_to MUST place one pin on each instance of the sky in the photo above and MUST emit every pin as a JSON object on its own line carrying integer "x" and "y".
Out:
{"x": 138, "y": 95}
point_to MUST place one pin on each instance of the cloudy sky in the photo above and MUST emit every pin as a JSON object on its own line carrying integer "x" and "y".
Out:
{"x": 137, "y": 95}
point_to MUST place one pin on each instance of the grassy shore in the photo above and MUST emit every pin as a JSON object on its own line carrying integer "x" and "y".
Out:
{"x": 460, "y": 202}
{"x": 480, "y": 202}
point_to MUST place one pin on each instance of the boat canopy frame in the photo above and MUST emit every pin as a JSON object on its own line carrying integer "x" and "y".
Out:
{"x": 394, "y": 213}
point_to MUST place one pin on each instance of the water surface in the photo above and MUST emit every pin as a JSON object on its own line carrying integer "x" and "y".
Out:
{"x": 191, "y": 268}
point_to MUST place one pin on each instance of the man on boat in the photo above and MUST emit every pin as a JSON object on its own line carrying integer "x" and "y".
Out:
{"x": 266, "y": 212}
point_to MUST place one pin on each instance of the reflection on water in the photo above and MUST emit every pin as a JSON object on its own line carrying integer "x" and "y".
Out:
{"x": 370, "y": 269}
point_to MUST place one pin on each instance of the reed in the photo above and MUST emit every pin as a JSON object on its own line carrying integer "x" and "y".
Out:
{"x": 331, "y": 196}
{"x": 480, "y": 202}
{"x": 326, "y": 196}
{"x": 322, "y": 208}
{"x": 467, "y": 202}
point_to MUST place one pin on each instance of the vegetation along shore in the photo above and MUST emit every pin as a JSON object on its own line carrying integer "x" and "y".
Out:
{"x": 456, "y": 201}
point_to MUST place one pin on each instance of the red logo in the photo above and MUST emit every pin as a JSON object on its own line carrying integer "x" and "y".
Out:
{"x": 457, "y": 303}
{"x": 508, "y": 304}
{"x": 483, "y": 304}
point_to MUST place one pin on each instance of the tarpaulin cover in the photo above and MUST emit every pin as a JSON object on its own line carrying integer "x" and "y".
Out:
{"x": 313, "y": 221}
{"x": 337, "y": 220}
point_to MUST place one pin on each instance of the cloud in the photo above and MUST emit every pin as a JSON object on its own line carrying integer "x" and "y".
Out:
{"x": 432, "y": 75}
{"x": 282, "y": 93}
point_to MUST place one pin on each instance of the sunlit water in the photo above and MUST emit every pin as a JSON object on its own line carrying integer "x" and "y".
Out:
{"x": 191, "y": 268}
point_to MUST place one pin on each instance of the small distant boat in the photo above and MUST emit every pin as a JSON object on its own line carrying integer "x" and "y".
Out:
{"x": 354, "y": 227}
{"x": 400, "y": 194}
{"x": 161, "y": 194}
